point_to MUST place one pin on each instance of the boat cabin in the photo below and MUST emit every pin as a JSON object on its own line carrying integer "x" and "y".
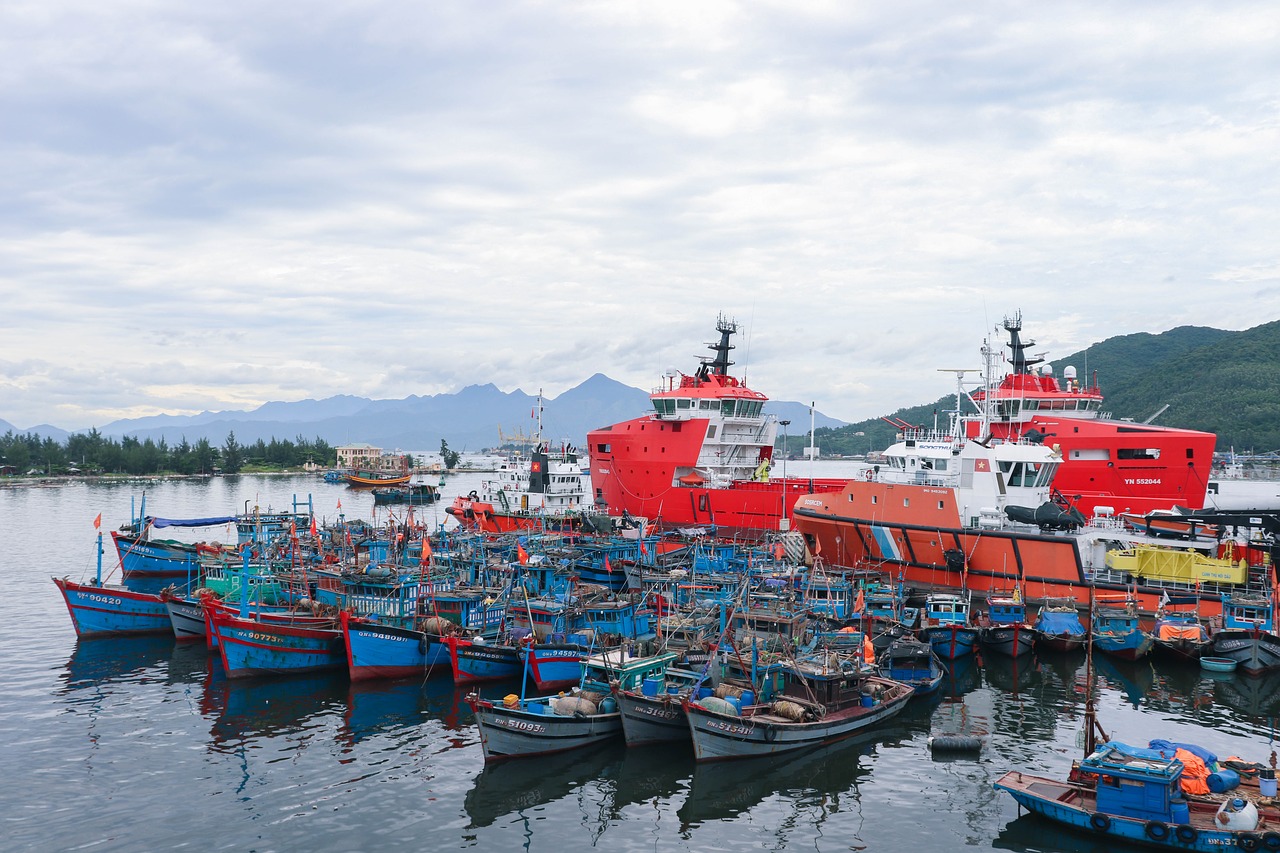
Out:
{"x": 1137, "y": 783}
{"x": 1246, "y": 614}
{"x": 945, "y": 609}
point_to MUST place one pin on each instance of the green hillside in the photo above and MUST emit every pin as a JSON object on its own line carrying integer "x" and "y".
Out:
{"x": 1220, "y": 381}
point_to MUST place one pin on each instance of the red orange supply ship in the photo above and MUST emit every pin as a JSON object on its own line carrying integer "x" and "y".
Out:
{"x": 1121, "y": 464}
{"x": 702, "y": 458}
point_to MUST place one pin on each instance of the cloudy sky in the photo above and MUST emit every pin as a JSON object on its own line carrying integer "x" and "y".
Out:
{"x": 213, "y": 205}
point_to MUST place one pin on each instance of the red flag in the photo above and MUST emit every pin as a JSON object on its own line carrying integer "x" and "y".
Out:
{"x": 643, "y": 550}
{"x": 97, "y": 522}
{"x": 426, "y": 550}
{"x": 607, "y": 567}
{"x": 293, "y": 529}
{"x": 860, "y": 603}
{"x": 339, "y": 503}
{"x": 817, "y": 547}
{"x": 779, "y": 552}
{"x": 522, "y": 554}
{"x": 314, "y": 531}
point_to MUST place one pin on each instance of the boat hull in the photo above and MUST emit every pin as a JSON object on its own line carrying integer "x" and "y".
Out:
{"x": 1064, "y": 804}
{"x": 951, "y": 641}
{"x": 507, "y": 733}
{"x": 102, "y": 611}
{"x": 554, "y": 666}
{"x": 652, "y": 719}
{"x": 474, "y": 662}
{"x": 186, "y": 616}
{"x": 250, "y": 647}
{"x": 720, "y": 737}
{"x": 1011, "y": 640}
{"x": 378, "y": 651}
{"x": 1255, "y": 652}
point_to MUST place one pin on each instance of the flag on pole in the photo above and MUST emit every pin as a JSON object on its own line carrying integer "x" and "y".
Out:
{"x": 97, "y": 522}
{"x": 339, "y": 503}
{"x": 608, "y": 568}
{"x": 643, "y": 549}
{"x": 1164, "y": 598}
{"x": 315, "y": 532}
{"x": 860, "y": 603}
{"x": 426, "y": 550}
{"x": 522, "y": 554}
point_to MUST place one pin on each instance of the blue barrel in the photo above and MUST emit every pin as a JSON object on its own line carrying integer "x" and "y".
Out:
{"x": 608, "y": 705}
{"x": 536, "y": 708}
{"x": 868, "y": 700}
{"x": 651, "y": 686}
{"x": 735, "y": 702}
{"x": 748, "y": 698}
{"x": 704, "y": 692}
{"x": 1223, "y": 780}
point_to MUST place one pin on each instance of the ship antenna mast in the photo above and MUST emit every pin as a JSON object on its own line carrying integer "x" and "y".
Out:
{"x": 721, "y": 363}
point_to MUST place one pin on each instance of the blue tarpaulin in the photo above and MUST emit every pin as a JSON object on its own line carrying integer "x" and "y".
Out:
{"x": 1168, "y": 747}
{"x": 190, "y": 522}
{"x": 1059, "y": 622}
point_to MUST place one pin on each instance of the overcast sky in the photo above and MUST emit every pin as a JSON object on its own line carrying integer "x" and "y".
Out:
{"x": 213, "y": 205}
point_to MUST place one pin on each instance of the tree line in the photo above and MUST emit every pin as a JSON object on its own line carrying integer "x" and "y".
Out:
{"x": 93, "y": 453}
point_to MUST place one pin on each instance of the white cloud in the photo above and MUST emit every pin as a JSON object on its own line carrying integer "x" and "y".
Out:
{"x": 211, "y": 207}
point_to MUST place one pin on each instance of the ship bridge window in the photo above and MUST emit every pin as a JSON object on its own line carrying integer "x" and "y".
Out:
{"x": 665, "y": 406}
{"x": 726, "y": 408}
{"x": 684, "y": 404}
{"x": 1008, "y": 408}
{"x": 1138, "y": 453}
{"x": 711, "y": 431}
{"x": 1021, "y": 474}
{"x": 705, "y": 404}
{"x": 1030, "y": 405}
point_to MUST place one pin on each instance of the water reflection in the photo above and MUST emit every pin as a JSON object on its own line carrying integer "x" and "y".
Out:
{"x": 962, "y": 676}
{"x": 1030, "y": 834}
{"x": 95, "y": 661}
{"x": 524, "y": 785}
{"x": 1257, "y": 697}
{"x": 260, "y": 708}
{"x": 1133, "y": 678}
{"x": 380, "y": 707}
{"x": 825, "y": 778}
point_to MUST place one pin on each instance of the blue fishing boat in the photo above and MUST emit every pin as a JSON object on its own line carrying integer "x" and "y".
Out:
{"x": 1115, "y": 631}
{"x": 1120, "y": 793}
{"x": 1058, "y": 627}
{"x": 1179, "y": 632}
{"x": 380, "y": 650}
{"x": 250, "y": 647}
{"x": 945, "y": 624}
{"x": 912, "y": 661}
{"x": 1004, "y": 628}
{"x": 101, "y": 610}
{"x": 1248, "y": 635}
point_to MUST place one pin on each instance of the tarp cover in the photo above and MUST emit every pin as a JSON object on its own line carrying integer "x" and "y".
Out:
{"x": 190, "y": 522}
{"x": 1056, "y": 623}
{"x": 1167, "y": 748}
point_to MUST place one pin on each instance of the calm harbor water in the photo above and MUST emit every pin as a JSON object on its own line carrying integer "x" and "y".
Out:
{"x": 142, "y": 744}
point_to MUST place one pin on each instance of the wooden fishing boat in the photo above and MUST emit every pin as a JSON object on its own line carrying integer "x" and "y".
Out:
{"x": 519, "y": 728}
{"x": 101, "y": 610}
{"x": 1058, "y": 627}
{"x": 1116, "y": 631}
{"x": 1004, "y": 628}
{"x": 1123, "y": 793}
{"x": 1248, "y": 634}
{"x": 912, "y": 661}
{"x": 1179, "y": 632}
{"x": 416, "y": 494}
{"x": 371, "y": 479}
{"x": 815, "y": 703}
{"x": 379, "y": 650}
{"x": 250, "y": 647}
{"x": 945, "y": 623}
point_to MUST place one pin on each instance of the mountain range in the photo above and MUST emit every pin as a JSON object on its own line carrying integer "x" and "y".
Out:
{"x": 476, "y": 417}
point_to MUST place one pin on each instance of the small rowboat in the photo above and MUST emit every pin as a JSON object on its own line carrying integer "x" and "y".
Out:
{"x": 1218, "y": 664}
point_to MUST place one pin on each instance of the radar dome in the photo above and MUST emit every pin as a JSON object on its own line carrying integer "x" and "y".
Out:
{"x": 1069, "y": 372}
